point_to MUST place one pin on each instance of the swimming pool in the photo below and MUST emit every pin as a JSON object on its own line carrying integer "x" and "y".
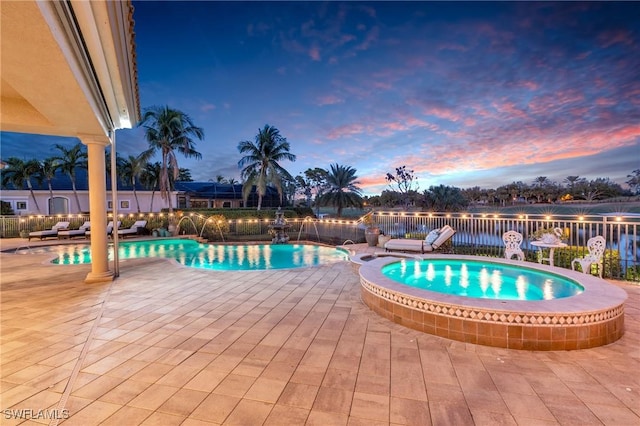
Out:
{"x": 592, "y": 317}
{"x": 221, "y": 257}
{"x": 482, "y": 279}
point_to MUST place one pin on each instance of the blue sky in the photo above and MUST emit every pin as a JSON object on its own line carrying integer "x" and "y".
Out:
{"x": 465, "y": 94}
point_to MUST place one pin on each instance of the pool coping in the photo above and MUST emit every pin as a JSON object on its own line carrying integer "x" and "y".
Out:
{"x": 48, "y": 258}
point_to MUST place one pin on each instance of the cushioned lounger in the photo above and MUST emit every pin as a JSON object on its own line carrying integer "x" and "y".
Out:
{"x": 70, "y": 233}
{"x": 133, "y": 230}
{"x": 109, "y": 229}
{"x": 423, "y": 246}
{"x": 53, "y": 232}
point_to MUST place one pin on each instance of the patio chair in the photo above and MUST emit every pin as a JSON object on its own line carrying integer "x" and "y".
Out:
{"x": 53, "y": 232}
{"x": 70, "y": 233}
{"x": 109, "y": 229}
{"x": 512, "y": 241}
{"x": 133, "y": 230}
{"x": 596, "y": 246}
{"x": 434, "y": 240}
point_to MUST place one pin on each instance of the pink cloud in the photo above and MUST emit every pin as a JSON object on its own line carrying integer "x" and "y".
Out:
{"x": 207, "y": 107}
{"x": 605, "y": 102}
{"x": 445, "y": 113}
{"x": 531, "y": 85}
{"x": 510, "y": 109}
{"x": 371, "y": 37}
{"x": 346, "y": 130}
{"x": 453, "y": 46}
{"x": 609, "y": 38}
{"x": 529, "y": 147}
{"x": 329, "y": 100}
{"x": 314, "y": 53}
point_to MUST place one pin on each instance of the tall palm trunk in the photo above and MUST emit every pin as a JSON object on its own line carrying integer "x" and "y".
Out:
{"x": 135, "y": 194}
{"x": 165, "y": 183}
{"x": 50, "y": 197}
{"x": 75, "y": 194}
{"x": 33, "y": 195}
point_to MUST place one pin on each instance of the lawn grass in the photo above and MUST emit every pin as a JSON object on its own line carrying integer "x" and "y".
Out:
{"x": 564, "y": 209}
{"x": 557, "y": 209}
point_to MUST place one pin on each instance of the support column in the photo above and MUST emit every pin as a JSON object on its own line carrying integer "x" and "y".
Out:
{"x": 98, "y": 209}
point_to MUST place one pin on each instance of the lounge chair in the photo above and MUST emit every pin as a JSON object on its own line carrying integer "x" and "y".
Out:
{"x": 109, "y": 229}
{"x": 70, "y": 233}
{"x": 53, "y": 232}
{"x": 133, "y": 230}
{"x": 434, "y": 240}
{"x": 596, "y": 246}
{"x": 512, "y": 241}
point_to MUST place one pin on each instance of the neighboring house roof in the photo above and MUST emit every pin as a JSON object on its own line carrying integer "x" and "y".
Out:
{"x": 62, "y": 182}
{"x": 210, "y": 190}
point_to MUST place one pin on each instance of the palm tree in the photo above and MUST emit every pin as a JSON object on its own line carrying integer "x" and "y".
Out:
{"x": 18, "y": 173}
{"x": 260, "y": 162}
{"x": 342, "y": 188}
{"x": 150, "y": 178}
{"x": 233, "y": 182}
{"x": 317, "y": 179}
{"x": 131, "y": 169}
{"x": 571, "y": 180}
{"x": 634, "y": 181}
{"x": 446, "y": 198}
{"x": 47, "y": 170}
{"x": 69, "y": 160}
{"x": 170, "y": 131}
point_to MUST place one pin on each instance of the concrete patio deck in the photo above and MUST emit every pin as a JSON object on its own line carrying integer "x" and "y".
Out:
{"x": 170, "y": 345}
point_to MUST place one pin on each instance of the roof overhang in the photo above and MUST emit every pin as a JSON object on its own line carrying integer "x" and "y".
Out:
{"x": 68, "y": 67}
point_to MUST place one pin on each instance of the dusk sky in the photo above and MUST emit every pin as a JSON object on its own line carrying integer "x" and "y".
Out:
{"x": 465, "y": 94}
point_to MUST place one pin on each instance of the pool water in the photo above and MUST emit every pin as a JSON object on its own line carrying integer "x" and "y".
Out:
{"x": 481, "y": 279}
{"x": 207, "y": 256}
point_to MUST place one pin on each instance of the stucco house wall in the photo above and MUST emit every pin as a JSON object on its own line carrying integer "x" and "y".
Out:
{"x": 23, "y": 204}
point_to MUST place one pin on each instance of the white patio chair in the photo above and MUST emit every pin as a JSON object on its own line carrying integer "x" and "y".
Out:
{"x": 512, "y": 241}
{"x": 596, "y": 246}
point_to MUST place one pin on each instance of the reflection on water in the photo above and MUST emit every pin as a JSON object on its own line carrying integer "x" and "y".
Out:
{"x": 206, "y": 256}
{"x": 481, "y": 279}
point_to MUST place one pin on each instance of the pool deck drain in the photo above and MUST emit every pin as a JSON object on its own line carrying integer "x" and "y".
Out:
{"x": 182, "y": 346}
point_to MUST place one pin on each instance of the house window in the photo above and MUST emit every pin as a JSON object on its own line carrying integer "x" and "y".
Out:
{"x": 21, "y": 205}
{"x": 124, "y": 204}
{"x": 182, "y": 202}
{"x": 110, "y": 205}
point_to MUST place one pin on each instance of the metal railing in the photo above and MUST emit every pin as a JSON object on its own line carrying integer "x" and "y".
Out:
{"x": 476, "y": 234}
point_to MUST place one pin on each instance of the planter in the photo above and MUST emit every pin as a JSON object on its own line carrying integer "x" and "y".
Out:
{"x": 371, "y": 235}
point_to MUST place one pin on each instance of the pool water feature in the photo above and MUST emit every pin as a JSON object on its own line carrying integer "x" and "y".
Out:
{"x": 593, "y": 317}
{"x": 481, "y": 279}
{"x": 221, "y": 257}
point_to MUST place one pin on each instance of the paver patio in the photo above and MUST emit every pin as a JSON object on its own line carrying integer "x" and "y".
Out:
{"x": 166, "y": 344}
